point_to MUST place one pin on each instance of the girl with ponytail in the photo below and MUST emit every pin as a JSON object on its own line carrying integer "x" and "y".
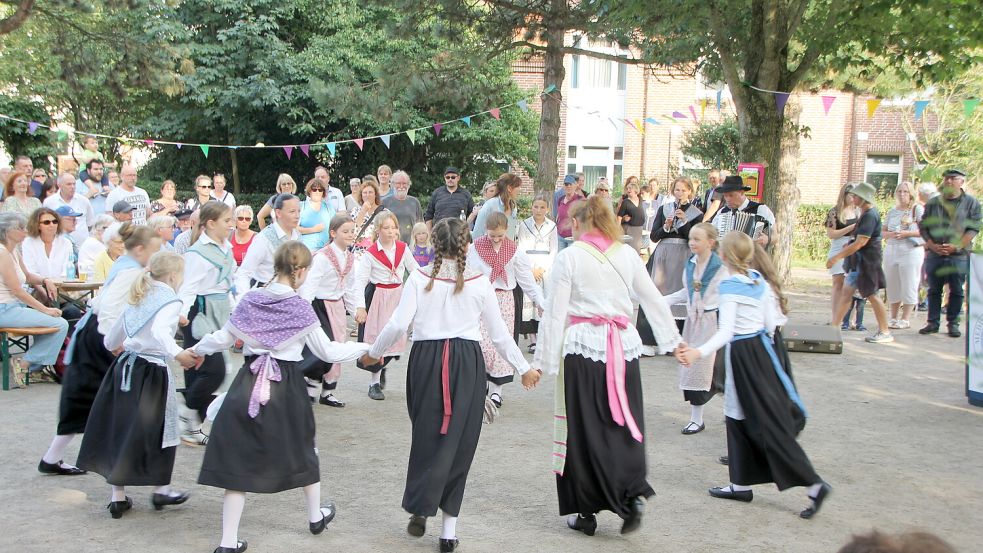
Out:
{"x": 763, "y": 408}
{"x": 445, "y": 378}
{"x": 132, "y": 432}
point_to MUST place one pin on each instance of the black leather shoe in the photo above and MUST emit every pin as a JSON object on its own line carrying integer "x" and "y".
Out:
{"x": 636, "y": 508}
{"x": 117, "y": 508}
{"x": 417, "y": 526}
{"x": 693, "y": 428}
{"x": 161, "y": 500}
{"x": 817, "y": 501}
{"x": 327, "y": 515}
{"x": 954, "y": 331}
{"x": 496, "y": 398}
{"x": 723, "y": 460}
{"x": 929, "y": 329}
{"x": 446, "y": 546}
{"x": 238, "y": 549}
{"x": 59, "y": 469}
{"x": 586, "y": 524}
{"x": 727, "y": 493}
{"x": 331, "y": 401}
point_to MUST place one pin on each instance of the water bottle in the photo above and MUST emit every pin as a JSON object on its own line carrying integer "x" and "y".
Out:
{"x": 463, "y": 217}
{"x": 70, "y": 272}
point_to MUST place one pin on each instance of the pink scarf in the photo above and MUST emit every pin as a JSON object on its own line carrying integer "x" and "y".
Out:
{"x": 496, "y": 260}
{"x": 342, "y": 273}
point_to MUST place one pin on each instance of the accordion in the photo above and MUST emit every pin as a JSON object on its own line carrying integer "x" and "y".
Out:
{"x": 750, "y": 224}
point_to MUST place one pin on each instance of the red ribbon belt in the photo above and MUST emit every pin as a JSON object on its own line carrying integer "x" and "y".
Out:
{"x": 617, "y": 396}
{"x": 445, "y": 384}
{"x": 388, "y": 286}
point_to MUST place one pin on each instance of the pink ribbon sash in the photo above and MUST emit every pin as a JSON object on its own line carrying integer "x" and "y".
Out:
{"x": 445, "y": 386}
{"x": 266, "y": 370}
{"x": 617, "y": 396}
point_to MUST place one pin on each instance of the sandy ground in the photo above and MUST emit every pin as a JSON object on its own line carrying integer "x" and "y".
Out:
{"x": 890, "y": 429}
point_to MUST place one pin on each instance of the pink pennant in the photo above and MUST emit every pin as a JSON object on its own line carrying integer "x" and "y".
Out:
{"x": 628, "y": 121}
{"x": 289, "y": 150}
{"x": 437, "y": 127}
{"x": 828, "y": 103}
{"x": 496, "y": 113}
{"x": 306, "y": 149}
{"x": 692, "y": 112}
{"x": 149, "y": 142}
{"x": 360, "y": 142}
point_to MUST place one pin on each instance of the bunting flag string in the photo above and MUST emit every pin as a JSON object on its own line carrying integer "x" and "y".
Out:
{"x": 828, "y": 103}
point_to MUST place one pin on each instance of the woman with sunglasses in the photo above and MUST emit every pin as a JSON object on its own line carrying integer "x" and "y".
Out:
{"x": 243, "y": 236}
{"x": 315, "y": 216}
{"x": 203, "y": 192}
{"x": 48, "y": 252}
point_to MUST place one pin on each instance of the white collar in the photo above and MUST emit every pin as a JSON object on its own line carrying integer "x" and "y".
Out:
{"x": 392, "y": 249}
{"x": 280, "y": 232}
{"x": 204, "y": 238}
{"x": 278, "y": 289}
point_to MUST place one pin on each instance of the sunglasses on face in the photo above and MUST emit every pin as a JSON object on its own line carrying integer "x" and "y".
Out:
{"x": 451, "y": 177}
{"x": 206, "y": 186}
{"x": 317, "y": 189}
{"x": 244, "y": 218}
{"x": 48, "y": 222}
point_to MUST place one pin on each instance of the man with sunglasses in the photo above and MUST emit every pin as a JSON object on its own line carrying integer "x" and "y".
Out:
{"x": 129, "y": 192}
{"x": 451, "y": 200}
{"x": 334, "y": 196}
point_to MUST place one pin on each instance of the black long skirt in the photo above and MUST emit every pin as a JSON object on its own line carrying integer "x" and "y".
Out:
{"x": 82, "y": 379}
{"x": 762, "y": 447}
{"x": 702, "y": 397}
{"x": 605, "y": 467}
{"x": 123, "y": 437}
{"x": 270, "y": 453}
{"x": 200, "y": 384}
{"x": 439, "y": 463}
{"x": 311, "y": 365}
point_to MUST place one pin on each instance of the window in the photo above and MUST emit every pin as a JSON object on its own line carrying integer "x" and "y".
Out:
{"x": 571, "y": 168}
{"x": 572, "y": 152}
{"x": 883, "y": 171}
{"x": 619, "y": 153}
{"x": 575, "y": 72}
{"x": 622, "y": 76}
{"x": 618, "y": 172}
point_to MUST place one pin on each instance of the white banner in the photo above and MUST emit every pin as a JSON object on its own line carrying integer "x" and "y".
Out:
{"x": 974, "y": 336}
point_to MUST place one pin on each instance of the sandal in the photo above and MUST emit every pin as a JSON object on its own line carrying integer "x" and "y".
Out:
{"x": 693, "y": 428}
{"x": 496, "y": 398}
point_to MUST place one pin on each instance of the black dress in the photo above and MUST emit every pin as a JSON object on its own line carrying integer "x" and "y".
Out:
{"x": 605, "y": 467}
{"x": 310, "y": 365}
{"x": 123, "y": 437}
{"x": 270, "y": 453}
{"x": 439, "y": 463}
{"x": 82, "y": 378}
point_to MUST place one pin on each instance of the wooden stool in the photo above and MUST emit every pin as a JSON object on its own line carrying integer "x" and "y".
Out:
{"x": 19, "y": 337}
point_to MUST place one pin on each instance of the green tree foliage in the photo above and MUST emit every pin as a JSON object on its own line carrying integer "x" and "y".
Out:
{"x": 713, "y": 143}
{"x": 16, "y": 138}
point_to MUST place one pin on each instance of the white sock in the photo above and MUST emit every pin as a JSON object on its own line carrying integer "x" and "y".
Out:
{"x": 232, "y": 508}
{"x": 495, "y": 389}
{"x": 163, "y": 490}
{"x": 119, "y": 493}
{"x": 737, "y": 488}
{"x": 814, "y": 490}
{"x": 377, "y": 377}
{"x": 696, "y": 414}
{"x": 449, "y": 529}
{"x": 312, "y": 493}
{"x": 56, "y": 451}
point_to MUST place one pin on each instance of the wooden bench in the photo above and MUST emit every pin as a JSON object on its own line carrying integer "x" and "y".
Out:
{"x": 19, "y": 337}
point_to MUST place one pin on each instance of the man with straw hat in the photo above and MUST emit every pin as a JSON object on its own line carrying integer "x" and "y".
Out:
{"x": 864, "y": 273}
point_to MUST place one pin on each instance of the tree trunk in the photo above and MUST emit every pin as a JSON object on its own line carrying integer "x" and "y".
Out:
{"x": 549, "y": 122}
{"x": 773, "y": 141}
{"x": 236, "y": 189}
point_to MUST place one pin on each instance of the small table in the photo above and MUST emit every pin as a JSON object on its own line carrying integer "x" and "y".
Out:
{"x": 86, "y": 290}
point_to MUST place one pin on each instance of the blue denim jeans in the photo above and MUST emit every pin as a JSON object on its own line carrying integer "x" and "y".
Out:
{"x": 44, "y": 350}
{"x": 946, "y": 270}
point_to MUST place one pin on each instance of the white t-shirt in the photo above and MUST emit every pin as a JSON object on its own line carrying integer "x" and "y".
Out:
{"x": 81, "y": 205}
{"x": 138, "y": 198}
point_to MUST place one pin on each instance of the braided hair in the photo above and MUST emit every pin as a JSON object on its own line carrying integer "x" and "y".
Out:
{"x": 450, "y": 239}
{"x": 289, "y": 258}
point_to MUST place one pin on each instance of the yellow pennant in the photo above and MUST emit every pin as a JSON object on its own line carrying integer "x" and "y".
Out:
{"x": 872, "y": 107}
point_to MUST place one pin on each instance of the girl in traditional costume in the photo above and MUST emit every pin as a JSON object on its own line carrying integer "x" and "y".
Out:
{"x": 537, "y": 238}
{"x": 205, "y": 307}
{"x": 704, "y": 271}
{"x": 445, "y": 377}
{"x": 378, "y": 284}
{"x": 132, "y": 432}
{"x": 262, "y": 439}
{"x": 327, "y": 288}
{"x": 86, "y": 359}
{"x": 763, "y": 408}
{"x": 587, "y": 336}
{"x": 510, "y": 272}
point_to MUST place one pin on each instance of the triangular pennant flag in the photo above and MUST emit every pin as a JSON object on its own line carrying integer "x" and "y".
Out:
{"x": 549, "y": 89}
{"x": 872, "y": 107}
{"x": 437, "y": 127}
{"x": 781, "y": 98}
{"x": 692, "y": 112}
{"x": 360, "y": 142}
{"x": 306, "y": 149}
{"x": 523, "y": 105}
{"x": 204, "y": 149}
{"x": 671, "y": 117}
{"x": 149, "y": 142}
{"x": 331, "y": 148}
{"x": 467, "y": 120}
{"x": 628, "y": 121}
{"x": 640, "y": 126}
{"x": 652, "y": 120}
{"x": 496, "y": 113}
{"x": 62, "y": 135}
{"x": 179, "y": 145}
{"x": 969, "y": 106}
{"x": 289, "y": 150}
{"x": 920, "y": 106}
{"x": 32, "y": 127}
{"x": 385, "y": 139}
{"x": 720, "y": 94}
{"x": 703, "y": 107}
{"x": 678, "y": 115}
{"x": 411, "y": 134}
{"x": 828, "y": 103}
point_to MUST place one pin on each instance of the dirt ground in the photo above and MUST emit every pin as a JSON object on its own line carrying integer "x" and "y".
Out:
{"x": 889, "y": 428}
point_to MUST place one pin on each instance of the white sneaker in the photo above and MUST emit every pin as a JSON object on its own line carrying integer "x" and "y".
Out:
{"x": 903, "y": 324}
{"x": 194, "y": 438}
{"x": 893, "y": 323}
{"x": 880, "y": 338}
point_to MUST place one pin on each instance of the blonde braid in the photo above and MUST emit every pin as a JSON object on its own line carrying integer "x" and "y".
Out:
{"x": 437, "y": 261}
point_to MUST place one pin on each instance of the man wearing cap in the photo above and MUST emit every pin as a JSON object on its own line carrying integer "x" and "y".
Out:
{"x": 67, "y": 196}
{"x": 449, "y": 200}
{"x": 69, "y": 224}
{"x": 186, "y": 220}
{"x": 570, "y": 196}
{"x": 864, "y": 272}
{"x": 123, "y": 211}
{"x": 131, "y": 193}
{"x": 735, "y": 201}
{"x": 578, "y": 180}
{"x": 950, "y": 223}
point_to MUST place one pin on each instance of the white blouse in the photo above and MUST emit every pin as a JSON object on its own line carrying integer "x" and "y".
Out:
{"x": 316, "y": 340}
{"x": 441, "y": 314}
{"x": 113, "y": 299}
{"x": 538, "y": 242}
{"x": 323, "y": 281}
{"x": 90, "y": 249}
{"x": 517, "y": 271}
{"x": 580, "y": 285}
{"x": 48, "y": 266}
{"x": 710, "y": 296}
{"x": 200, "y": 277}
{"x": 258, "y": 262}
{"x": 155, "y": 338}
{"x": 369, "y": 269}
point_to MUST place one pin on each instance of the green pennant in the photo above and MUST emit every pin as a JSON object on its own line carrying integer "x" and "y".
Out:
{"x": 969, "y": 106}
{"x": 204, "y": 149}
{"x": 412, "y": 135}
{"x": 62, "y": 135}
{"x": 549, "y": 89}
